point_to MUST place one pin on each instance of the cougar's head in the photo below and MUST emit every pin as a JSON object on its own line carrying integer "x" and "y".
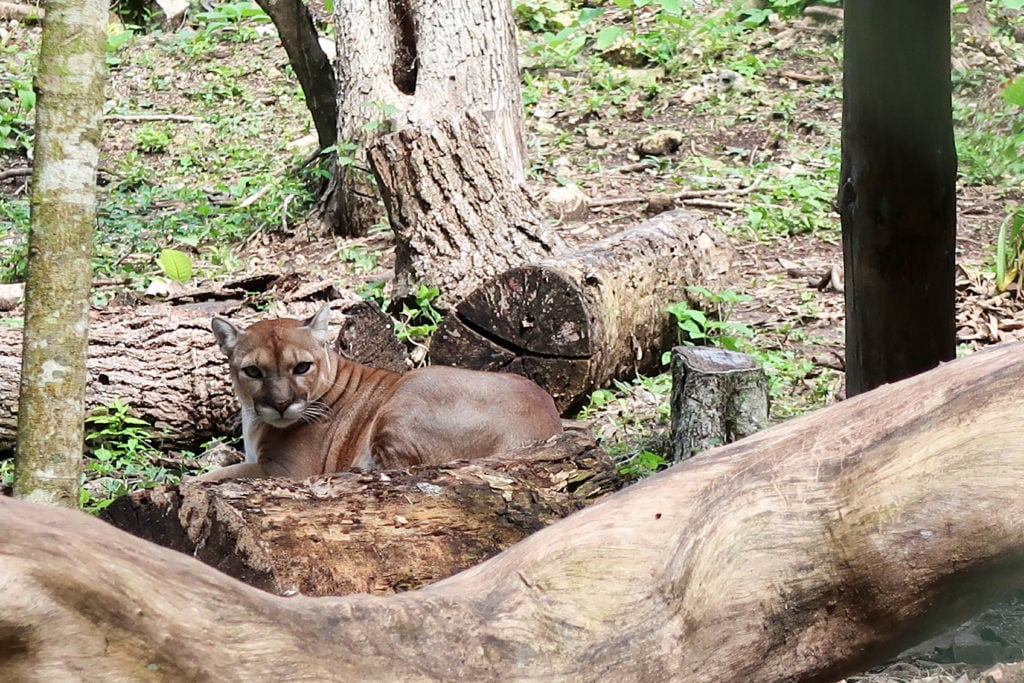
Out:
{"x": 279, "y": 368}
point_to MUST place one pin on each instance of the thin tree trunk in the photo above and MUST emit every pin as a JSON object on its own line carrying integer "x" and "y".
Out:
{"x": 897, "y": 190}
{"x": 409, "y": 61}
{"x": 806, "y": 552}
{"x": 312, "y": 67}
{"x": 69, "y": 84}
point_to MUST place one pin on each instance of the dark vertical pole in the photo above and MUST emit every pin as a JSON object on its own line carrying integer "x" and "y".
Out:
{"x": 897, "y": 190}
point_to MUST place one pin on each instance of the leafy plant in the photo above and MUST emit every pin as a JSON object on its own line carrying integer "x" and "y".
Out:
{"x": 419, "y": 320}
{"x": 120, "y": 457}
{"x": 541, "y": 15}
{"x": 643, "y": 464}
{"x": 7, "y": 471}
{"x": 115, "y": 41}
{"x": 717, "y": 330}
{"x": 359, "y": 258}
{"x": 1010, "y": 250}
{"x": 17, "y": 101}
{"x": 233, "y": 19}
{"x": 152, "y": 139}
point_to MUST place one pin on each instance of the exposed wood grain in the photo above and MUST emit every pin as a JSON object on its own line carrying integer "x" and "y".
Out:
{"x": 371, "y": 532}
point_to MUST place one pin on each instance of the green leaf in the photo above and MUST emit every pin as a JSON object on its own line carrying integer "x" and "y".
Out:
{"x": 176, "y": 264}
{"x": 1014, "y": 93}
{"x": 1013, "y": 4}
{"x": 607, "y": 36}
{"x": 27, "y": 96}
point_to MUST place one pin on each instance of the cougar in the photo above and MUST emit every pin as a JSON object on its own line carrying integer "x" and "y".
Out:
{"x": 307, "y": 410}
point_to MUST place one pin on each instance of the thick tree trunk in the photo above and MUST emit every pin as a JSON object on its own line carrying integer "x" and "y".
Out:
{"x": 718, "y": 396}
{"x": 807, "y": 552}
{"x": 459, "y": 219}
{"x": 374, "y": 532}
{"x": 575, "y": 322}
{"x": 69, "y": 85}
{"x": 164, "y": 362}
{"x": 897, "y": 191}
{"x": 409, "y": 61}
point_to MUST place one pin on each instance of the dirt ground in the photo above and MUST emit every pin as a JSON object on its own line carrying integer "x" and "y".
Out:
{"x": 786, "y": 276}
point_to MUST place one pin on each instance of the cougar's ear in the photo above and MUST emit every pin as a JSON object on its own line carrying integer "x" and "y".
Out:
{"x": 226, "y": 334}
{"x": 319, "y": 323}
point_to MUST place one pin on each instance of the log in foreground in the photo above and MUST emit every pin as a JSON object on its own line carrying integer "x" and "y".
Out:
{"x": 807, "y": 551}
{"x": 574, "y": 322}
{"x": 371, "y": 532}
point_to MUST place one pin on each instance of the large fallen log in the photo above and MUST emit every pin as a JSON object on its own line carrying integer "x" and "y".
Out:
{"x": 807, "y": 551}
{"x": 574, "y": 322}
{"x": 373, "y": 532}
{"x": 164, "y": 362}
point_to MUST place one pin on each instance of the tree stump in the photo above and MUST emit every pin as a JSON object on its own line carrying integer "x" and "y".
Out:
{"x": 575, "y": 322}
{"x": 809, "y": 551}
{"x": 378, "y": 532}
{"x": 164, "y": 362}
{"x": 459, "y": 217}
{"x": 718, "y": 396}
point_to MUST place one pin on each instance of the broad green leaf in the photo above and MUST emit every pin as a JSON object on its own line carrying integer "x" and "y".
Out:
{"x": 176, "y": 264}
{"x": 607, "y": 36}
{"x": 1014, "y": 93}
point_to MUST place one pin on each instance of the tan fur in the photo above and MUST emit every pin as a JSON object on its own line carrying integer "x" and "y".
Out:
{"x": 307, "y": 411}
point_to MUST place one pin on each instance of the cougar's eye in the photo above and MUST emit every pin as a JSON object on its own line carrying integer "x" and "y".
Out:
{"x": 252, "y": 372}
{"x": 301, "y": 368}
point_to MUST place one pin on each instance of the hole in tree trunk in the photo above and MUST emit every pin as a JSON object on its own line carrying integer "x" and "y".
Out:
{"x": 405, "y": 65}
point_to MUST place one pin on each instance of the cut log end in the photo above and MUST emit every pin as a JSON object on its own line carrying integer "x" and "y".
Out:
{"x": 574, "y": 322}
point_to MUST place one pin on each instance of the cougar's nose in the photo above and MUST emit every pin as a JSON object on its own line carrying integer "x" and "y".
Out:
{"x": 282, "y": 406}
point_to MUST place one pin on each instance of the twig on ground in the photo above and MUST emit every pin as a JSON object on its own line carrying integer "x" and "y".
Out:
{"x": 688, "y": 197}
{"x": 805, "y": 78}
{"x": 16, "y": 173}
{"x": 713, "y": 204}
{"x": 138, "y": 118}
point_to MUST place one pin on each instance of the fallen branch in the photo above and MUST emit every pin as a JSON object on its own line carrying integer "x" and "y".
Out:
{"x": 140, "y": 118}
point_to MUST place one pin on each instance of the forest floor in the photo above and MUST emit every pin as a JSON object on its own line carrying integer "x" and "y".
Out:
{"x": 206, "y": 129}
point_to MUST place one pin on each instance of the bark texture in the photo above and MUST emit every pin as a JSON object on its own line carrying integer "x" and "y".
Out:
{"x": 718, "y": 396}
{"x": 69, "y": 112}
{"x": 164, "y": 362}
{"x": 808, "y": 551}
{"x": 459, "y": 218}
{"x": 371, "y": 532}
{"x": 576, "y": 321}
{"x": 408, "y": 61}
{"x": 897, "y": 194}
